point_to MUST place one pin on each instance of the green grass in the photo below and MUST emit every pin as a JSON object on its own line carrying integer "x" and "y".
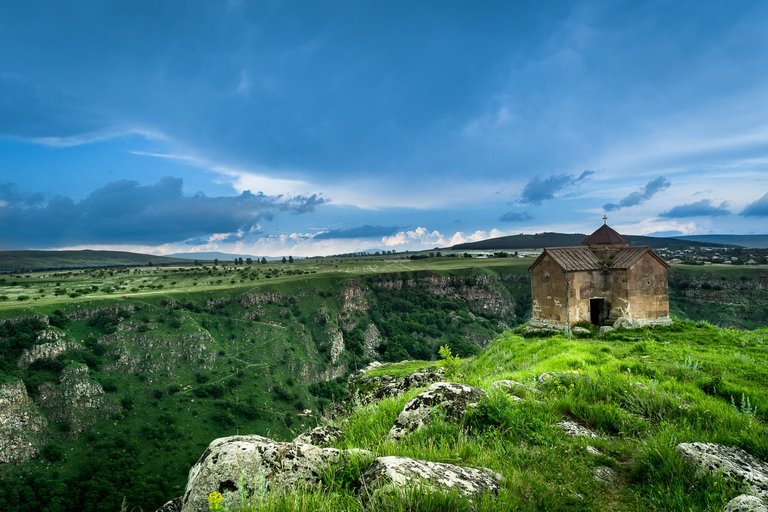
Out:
{"x": 689, "y": 372}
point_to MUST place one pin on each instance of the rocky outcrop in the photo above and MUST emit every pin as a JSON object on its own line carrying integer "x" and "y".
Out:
{"x": 319, "y": 436}
{"x": 372, "y": 340}
{"x": 150, "y": 353}
{"x": 77, "y": 400}
{"x": 114, "y": 311}
{"x": 453, "y": 398}
{"x": 604, "y": 474}
{"x": 368, "y": 389}
{"x": 337, "y": 343}
{"x": 46, "y": 351}
{"x": 21, "y": 426}
{"x": 746, "y": 503}
{"x": 399, "y": 473}
{"x": 259, "y": 464}
{"x": 354, "y": 297}
{"x": 731, "y": 462}
{"x": 259, "y": 299}
{"x": 573, "y": 429}
{"x": 173, "y": 505}
{"x": 15, "y": 319}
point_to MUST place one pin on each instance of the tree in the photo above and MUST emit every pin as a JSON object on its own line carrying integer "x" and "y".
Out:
{"x": 240, "y": 260}
{"x": 248, "y": 261}
{"x": 263, "y": 261}
{"x": 284, "y": 260}
{"x": 290, "y": 259}
{"x": 216, "y": 261}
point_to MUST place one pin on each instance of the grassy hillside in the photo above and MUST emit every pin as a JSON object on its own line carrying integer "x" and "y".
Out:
{"x": 30, "y": 261}
{"x": 642, "y": 392}
{"x": 752, "y": 241}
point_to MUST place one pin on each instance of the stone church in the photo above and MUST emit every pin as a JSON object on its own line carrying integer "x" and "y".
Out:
{"x": 601, "y": 281}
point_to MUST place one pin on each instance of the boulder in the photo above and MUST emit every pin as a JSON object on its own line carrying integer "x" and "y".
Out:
{"x": 604, "y": 474}
{"x": 580, "y": 330}
{"x": 513, "y": 384}
{"x": 731, "y": 462}
{"x": 387, "y": 473}
{"x": 549, "y": 377}
{"x": 746, "y": 503}
{"x": 172, "y": 506}
{"x": 454, "y": 398}
{"x": 605, "y": 329}
{"x": 257, "y": 463}
{"x": 624, "y": 322}
{"x": 319, "y": 436}
{"x": 573, "y": 429}
{"x": 367, "y": 389}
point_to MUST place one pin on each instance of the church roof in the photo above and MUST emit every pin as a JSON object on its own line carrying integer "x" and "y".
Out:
{"x": 605, "y": 235}
{"x": 571, "y": 258}
{"x": 625, "y": 258}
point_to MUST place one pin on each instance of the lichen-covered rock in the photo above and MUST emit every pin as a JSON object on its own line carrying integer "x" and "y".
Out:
{"x": 624, "y": 322}
{"x": 173, "y": 505}
{"x": 78, "y": 400}
{"x": 367, "y": 389}
{"x": 731, "y": 462}
{"x": 513, "y": 385}
{"x": 604, "y": 474}
{"x": 605, "y": 329}
{"x": 549, "y": 377}
{"x": 454, "y": 399}
{"x": 746, "y": 503}
{"x": 319, "y": 436}
{"x": 258, "y": 463}
{"x": 387, "y": 473}
{"x": 21, "y": 426}
{"x": 573, "y": 429}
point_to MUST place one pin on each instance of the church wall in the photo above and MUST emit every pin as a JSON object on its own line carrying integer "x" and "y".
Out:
{"x": 548, "y": 291}
{"x": 648, "y": 289}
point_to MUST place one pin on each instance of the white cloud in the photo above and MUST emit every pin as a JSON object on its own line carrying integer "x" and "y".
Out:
{"x": 418, "y": 238}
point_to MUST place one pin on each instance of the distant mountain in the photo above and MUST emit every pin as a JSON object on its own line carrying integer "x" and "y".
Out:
{"x": 541, "y": 240}
{"x": 751, "y": 241}
{"x": 28, "y": 261}
{"x": 221, "y": 256}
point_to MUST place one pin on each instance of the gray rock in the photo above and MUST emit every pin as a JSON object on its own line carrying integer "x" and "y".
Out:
{"x": 605, "y": 329}
{"x": 258, "y": 463}
{"x": 454, "y": 398}
{"x": 319, "y": 436}
{"x": 639, "y": 385}
{"x": 573, "y": 429}
{"x": 548, "y": 377}
{"x": 579, "y": 330}
{"x": 624, "y": 322}
{"x": 513, "y": 384}
{"x": 604, "y": 474}
{"x": 746, "y": 503}
{"x": 593, "y": 451}
{"x": 387, "y": 473}
{"x": 731, "y": 462}
{"x": 22, "y": 427}
{"x": 366, "y": 389}
{"x": 172, "y": 506}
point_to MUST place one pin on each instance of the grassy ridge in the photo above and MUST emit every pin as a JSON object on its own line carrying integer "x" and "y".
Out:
{"x": 28, "y": 261}
{"x": 698, "y": 383}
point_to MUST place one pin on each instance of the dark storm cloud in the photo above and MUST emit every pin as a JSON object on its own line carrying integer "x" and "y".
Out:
{"x": 10, "y": 195}
{"x": 516, "y": 217}
{"x": 703, "y": 208}
{"x": 759, "y": 207}
{"x": 538, "y": 190}
{"x": 651, "y": 189}
{"x": 125, "y": 212}
{"x": 359, "y": 232}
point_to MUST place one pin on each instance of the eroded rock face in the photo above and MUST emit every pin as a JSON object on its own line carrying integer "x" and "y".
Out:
{"x": 115, "y": 311}
{"x": 354, "y": 297}
{"x": 21, "y": 426}
{"x": 319, "y": 436}
{"x": 454, "y": 398}
{"x": 731, "y": 462}
{"x": 400, "y": 472}
{"x": 255, "y": 461}
{"x": 372, "y": 340}
{"x": 372, "y": 389}
{"x": 746, "y": 503}
{"x": 78, "y": 399}
{"x": 46, "y": 351}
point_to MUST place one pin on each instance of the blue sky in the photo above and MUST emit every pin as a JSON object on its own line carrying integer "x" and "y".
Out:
{"x": 311, "y": 128}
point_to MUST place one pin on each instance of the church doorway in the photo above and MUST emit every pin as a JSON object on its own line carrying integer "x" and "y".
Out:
{"x": 597, "y": 311}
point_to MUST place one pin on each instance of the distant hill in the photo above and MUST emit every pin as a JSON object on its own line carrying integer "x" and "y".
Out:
{"x": 541, "y": 240}
{"x": 221, "y": 256}
{"x": 751, "y": 241}
{"x": 28, "y": 261}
